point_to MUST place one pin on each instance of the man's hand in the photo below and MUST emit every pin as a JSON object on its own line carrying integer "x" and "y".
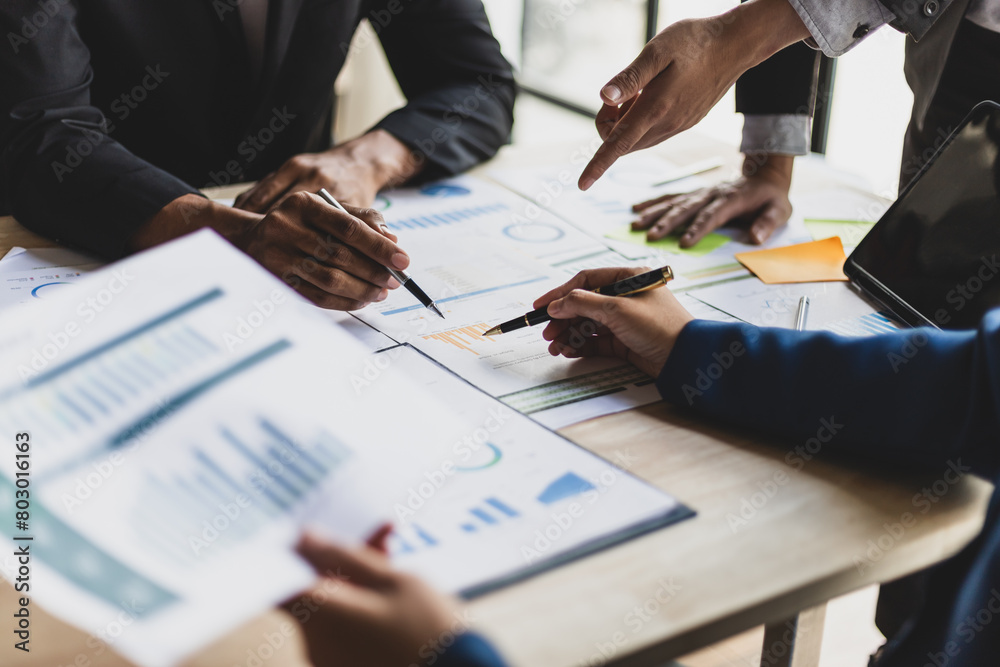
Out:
{"x": 758, "y": 200}
{"x": 362, "y": 612}
{"x": 640, "y": 329}
{"x": 353, "y": 172}
{"x": 336, "y": 260}
{"x": 682, "y": 73}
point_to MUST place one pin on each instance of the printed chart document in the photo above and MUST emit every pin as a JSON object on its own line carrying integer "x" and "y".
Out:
{"x": 484, "y": 255}
{"x": 28, "y": 276}
{"x": 173, "y": 457}
{"x": 605, "y": 212}
{"x": 181, "y": 437}
{"x": 505, "y": 497}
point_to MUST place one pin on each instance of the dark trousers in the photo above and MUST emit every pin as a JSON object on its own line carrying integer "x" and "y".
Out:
{"x": 971, "y": 75}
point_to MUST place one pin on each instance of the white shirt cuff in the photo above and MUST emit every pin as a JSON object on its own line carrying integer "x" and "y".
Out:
{"x": 783, "y": 134}
{"x": 837, "y": 27}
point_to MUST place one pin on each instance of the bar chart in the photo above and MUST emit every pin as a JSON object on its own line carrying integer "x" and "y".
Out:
{"x": 231, "y": 485}
{"x": 447, "y": 218}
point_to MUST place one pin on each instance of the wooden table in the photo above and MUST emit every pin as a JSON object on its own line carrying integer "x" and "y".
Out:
{"x": 770, "y": 545}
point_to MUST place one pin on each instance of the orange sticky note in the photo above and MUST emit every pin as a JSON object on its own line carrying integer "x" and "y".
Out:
{"x": 816, "y": 261}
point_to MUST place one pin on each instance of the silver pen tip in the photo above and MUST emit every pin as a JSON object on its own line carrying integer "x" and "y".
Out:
{"x": 434, "y": 307}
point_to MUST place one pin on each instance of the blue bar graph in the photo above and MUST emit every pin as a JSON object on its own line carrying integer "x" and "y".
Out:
{"x": 454, "y": 217}
{"x": 503, "y": 507}
{"x": 243, "y": 477}
{"x": 483, "y": 516}
{"x": 425, "y": 536}
{"x": 567, "y": 486}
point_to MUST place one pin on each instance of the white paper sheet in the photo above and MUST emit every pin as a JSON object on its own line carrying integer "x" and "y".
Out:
{"x": 154, "y": 410}
{"x": 33, "y": 275}
{"x": 607, "y": 207}
{"x": 484, "y": 257}
{"x": 834, "y": 306}
{"x": 492, "y": 503}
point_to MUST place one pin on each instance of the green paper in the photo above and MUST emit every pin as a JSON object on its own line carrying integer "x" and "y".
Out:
{"x": 670, "y": 243}
{"x": 850, "y": 231}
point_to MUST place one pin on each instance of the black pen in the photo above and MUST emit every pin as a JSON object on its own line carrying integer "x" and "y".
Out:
{"x": 627, "y": 287}
{"x": 401, "y": 276}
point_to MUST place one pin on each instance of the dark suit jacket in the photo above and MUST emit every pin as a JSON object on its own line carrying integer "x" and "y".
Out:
{"x": 938, "y": 409}
{"x": 110, "y": 109}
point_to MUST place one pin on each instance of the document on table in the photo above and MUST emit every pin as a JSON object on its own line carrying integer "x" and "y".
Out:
{"x": 605, "y": 212}
{"x": 33, "y": 275}
{"x": 506, "y": 497}
{"x": 174, "y": 456}
{"x": 479, "y": 255}
{"x": 835, "y": 306}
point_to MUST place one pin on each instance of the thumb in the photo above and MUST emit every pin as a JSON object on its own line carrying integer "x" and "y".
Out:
{"x": 627, "y": 83}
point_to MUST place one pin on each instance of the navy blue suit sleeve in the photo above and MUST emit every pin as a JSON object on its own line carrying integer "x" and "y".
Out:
{"x": 919, "y": 396}
{"x": 458, "y": 86}
{"x": 471, "y": 650}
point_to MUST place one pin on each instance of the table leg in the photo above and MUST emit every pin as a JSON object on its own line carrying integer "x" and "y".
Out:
{"x": 795, "y": 641}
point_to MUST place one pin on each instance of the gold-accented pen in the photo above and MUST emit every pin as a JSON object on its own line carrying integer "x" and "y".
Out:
{"x": 627, "y": 287}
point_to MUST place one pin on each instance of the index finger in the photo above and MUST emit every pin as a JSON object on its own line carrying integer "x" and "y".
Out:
{"x": 588, "y": 280}
{"x": 355, "y": 233}
{"x": 373, "y": 218}
{"x": 619, "y": 142}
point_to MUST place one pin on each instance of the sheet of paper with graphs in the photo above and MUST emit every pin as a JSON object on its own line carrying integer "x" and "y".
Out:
{"x": 179, "y": 441}
{"x": 485, "y": 254}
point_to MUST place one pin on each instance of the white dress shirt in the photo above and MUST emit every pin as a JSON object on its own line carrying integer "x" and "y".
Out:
{"x": 254, "y": 16}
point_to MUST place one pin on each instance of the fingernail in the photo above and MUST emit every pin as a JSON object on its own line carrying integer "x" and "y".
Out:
{"x": 400, "y": 260}
{"x": 393, "y": 283}
{"x": 612, "y": 93}
{"x": 383, "y": 295}
{"x": 586, "y": 183}
{"x": 385, "y": 229}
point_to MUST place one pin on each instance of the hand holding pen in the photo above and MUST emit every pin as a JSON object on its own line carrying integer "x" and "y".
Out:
{"x": 584, "y": 323}
{"x": 629, "y": 286}
{"x": 401, "y": 276}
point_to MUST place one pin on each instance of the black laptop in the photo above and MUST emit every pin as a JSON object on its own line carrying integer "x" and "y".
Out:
{"x": 934, "y": 257}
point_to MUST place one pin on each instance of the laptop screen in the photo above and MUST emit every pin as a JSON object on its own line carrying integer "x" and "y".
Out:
{"x": 934, "y": 257}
